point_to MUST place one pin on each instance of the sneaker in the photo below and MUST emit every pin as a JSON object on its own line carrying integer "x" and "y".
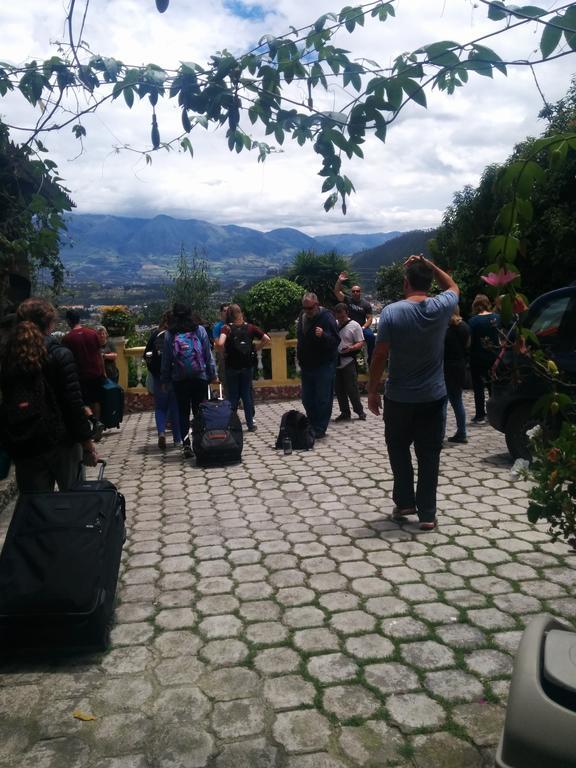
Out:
{"x": 478, "y": 420}
{"x": 342, "y": 417}
{"x": 162, "y": 442}
{"x": 458, "y": 438}
{"x": 362, "y": 416}
{"x": 428, "y": 526}
{"x": 186, "y": 452}
{"x": 253, "y": 428}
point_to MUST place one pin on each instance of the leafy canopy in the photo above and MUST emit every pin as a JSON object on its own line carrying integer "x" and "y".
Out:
{"x": 256, "y": 89}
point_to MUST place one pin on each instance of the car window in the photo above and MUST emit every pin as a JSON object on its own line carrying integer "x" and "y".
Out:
{"x": 546, "y": 324}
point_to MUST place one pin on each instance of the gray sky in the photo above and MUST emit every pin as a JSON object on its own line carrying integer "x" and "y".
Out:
{"x": 406, "y": 183}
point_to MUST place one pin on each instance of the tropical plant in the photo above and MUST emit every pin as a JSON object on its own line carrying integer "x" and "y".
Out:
{"x": 390, "y": 282}
{"x": 274, "y": 304}
{"x": 317, "y": 273}
{"x": 192, "y": 285}
{"x": 32, "y": 202}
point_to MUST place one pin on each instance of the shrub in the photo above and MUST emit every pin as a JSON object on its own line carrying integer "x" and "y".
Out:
{"x": 274, "y": 303}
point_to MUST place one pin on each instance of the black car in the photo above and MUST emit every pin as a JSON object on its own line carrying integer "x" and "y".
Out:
{"x": 552, "y": 317}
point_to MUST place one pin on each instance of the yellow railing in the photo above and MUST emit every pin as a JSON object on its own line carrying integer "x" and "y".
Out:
{"x": 284, "y": 366}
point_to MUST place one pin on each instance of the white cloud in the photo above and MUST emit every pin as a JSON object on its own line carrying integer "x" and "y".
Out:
{"x": 406, "y": 183}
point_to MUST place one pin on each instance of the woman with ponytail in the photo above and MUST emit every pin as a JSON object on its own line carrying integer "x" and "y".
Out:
{"x": 43, "y": 421}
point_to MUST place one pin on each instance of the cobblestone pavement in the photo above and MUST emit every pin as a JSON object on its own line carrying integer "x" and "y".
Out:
{"x": 272, "y": 616}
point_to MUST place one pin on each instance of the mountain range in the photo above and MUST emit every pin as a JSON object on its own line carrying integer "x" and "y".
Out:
{"x": 116, "y": 249}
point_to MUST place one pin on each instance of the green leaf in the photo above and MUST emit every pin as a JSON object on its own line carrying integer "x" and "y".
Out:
{"x": 187, "y": 146}
{"x": 551, "y": 37}
{"x": 78, "y": 131}
{"x": 330, "y": 201}
{"x": 533, "y": 513}
{"x": 394, "y": 92}
{"x": 186, "y": 124}
{"x": 414, "y": 91}
{"x": 128, "y": 96}
{"x": 503, "y": 248}
{"x": 497, "y": 11}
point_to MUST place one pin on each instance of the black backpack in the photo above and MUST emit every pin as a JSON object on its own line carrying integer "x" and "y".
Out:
{"x": 296, "y": 426}
{"x": 154, "y": 361}
{"x": 239, "y": 347}
{"x": 31, "y": 421}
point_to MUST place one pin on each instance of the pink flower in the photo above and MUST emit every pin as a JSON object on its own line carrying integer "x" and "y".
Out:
{"x": 519, "y": 305}
{"x": 500, "y": 278}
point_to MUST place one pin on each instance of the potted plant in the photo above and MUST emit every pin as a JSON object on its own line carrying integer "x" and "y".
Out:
{"x": 118, "y": 320}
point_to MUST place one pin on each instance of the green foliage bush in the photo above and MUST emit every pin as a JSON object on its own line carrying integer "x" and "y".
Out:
{"x": 273, "y": 303}
{"x": 317, "y": 273}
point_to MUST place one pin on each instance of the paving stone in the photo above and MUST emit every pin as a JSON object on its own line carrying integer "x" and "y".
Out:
{"x": 412, "y": 711}
{"x": 351, "y": 622}
{"x": 179, "y": 642}
{"x": 276, "y": 661}
{"x": 454, "y": 685}
{"x": 487, "y": 663}
{"x": 386, "y": 606}
{"x": 220, "y": 626}
{"x": 442, "y": 750}
{"x": 131, "y": 729}
{"x": 508, "y": 641}
{"x": 266, "y": 633}
{"x": 391, "y": 677}
{"x": 289, "y": 691}
{"x": 514, "y": 602}
{"x": 371, "y": 744}
{"x": 19, "y": 701}
{"x": 122, "y": 693}
{"x": 516, "y": 571}
{"x": 339, "y": 601}
{"x": 483, "y": 722}
{"x": 180, "y": 670}
{"x": 461, "y": 636}
{"x": 295, "y": 596}
{"x": 224, "y": 652}
{"x": 327, "y": 582}
{"x": 241, "y": 717}
{"x": 491, "y": 619}
{"x": 347, "y": 701}
{"x": 313, "y": 640}
{"x": 316, "y": 760}
{"x": 302, "y": 731}
{"x": 370, "y": 646}
{"x": 176, "y": 747}
{"x": 436, "y": 613}
{"x": 307, "y": 616}
{"x": 176, "y": 618}
{"x": 217, "y": 604}
{"x": 180, "y": 706}
{"x": 259, "y": 610}
{"x": 403, "y": 628}
{"x": 71, "y": 753}
{"x": 427, "y": 654}
{"x": 231, "y": 683}
{"x": 250, "y": 753}
{"x": 332, "y": 668}
{"x": 253, "y": 591}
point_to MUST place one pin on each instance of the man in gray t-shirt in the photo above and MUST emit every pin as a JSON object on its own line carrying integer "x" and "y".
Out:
{"x": 411, "y": 339}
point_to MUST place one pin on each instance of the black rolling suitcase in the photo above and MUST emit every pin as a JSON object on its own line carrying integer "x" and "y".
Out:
{"x": 217, "y": 436}
{"x": 111, "y": 404}
{"x": 59, "y": 566}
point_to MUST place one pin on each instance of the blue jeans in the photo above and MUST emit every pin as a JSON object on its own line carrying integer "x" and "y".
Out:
{"x": 318, "y": 395}
{"x": 421, "y": 424}
{"x": 457, "y": 403}
{"x": 239, "y": 385}
{"x": 370, "y": 340}
{"x": 165, "y": 407}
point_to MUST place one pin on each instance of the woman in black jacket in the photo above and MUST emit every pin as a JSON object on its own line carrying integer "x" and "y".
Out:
{"x": 44, "y": 423}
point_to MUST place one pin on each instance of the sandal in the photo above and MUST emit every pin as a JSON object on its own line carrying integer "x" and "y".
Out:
{"x": 428, "y": 526}
{"x": 399, "y": 515}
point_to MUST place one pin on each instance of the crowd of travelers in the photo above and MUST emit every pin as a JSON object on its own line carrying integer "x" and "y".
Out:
{"x": 51, "y": 389}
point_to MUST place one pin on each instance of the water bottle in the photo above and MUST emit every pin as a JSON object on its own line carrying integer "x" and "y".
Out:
{"x": 287, "y": 446}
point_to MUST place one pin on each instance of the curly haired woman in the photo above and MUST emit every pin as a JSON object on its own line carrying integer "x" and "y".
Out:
{"x": 44, "y": 423}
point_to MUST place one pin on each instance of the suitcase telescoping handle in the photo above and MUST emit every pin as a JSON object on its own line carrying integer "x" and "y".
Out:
{"x": 101, "y": 467}
{"x": 219, "y": 392}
